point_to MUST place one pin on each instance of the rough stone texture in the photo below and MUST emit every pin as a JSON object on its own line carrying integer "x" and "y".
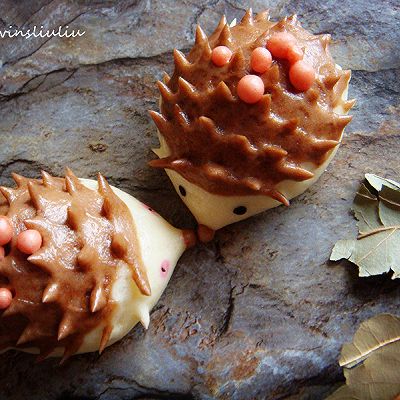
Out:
{"x": 257, "y": 313}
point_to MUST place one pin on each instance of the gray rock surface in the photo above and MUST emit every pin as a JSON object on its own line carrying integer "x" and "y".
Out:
{"x": 257, "y": 313}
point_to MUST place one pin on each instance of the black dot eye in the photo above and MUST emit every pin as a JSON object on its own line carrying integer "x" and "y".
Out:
{"x": 182, "y": 190}
{"x": 241, "y": 210}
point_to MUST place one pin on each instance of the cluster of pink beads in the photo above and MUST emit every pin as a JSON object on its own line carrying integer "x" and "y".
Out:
{"x": 282, "y": 45}
{"x": 28, "y": 242}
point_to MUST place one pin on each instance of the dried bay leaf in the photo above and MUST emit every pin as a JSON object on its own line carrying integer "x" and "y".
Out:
{"x": 377, "y": 247}
{"x": 372, "y": 361}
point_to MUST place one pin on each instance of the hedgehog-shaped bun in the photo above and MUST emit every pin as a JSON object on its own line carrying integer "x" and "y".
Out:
{"x": 250, "y": 118}
{"x": 81, "y": 263}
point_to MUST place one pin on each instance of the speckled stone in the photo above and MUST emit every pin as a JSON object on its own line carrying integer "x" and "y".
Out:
{"x": 259, "y": 313}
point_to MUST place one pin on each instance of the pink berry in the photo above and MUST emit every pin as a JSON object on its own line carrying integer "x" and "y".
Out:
{"x": 250, "y": 89}
{"x": 29, "y": 241}
{"x": 302, "y": 75}
{"x": 295, "y": 53}
{"x": 280, "y": 43}
{"x": 164, "y": 268}
{"x": 6, "y": 230}
{"x": 260, "y": 60}
{"x": 5, "y": 298}
{"x": 221, "y": 56}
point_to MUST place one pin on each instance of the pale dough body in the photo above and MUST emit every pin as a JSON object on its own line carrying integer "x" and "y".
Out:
{"x": 158, "y": 241}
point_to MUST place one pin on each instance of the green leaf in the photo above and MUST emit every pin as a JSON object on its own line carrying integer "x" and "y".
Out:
{"x": 372, "y": 361}
{"x": 376, "y": 250}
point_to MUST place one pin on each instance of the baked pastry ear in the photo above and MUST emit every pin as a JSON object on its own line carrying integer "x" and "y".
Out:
{"x": 250, "y": 118}
{"x": 103, "y": 261}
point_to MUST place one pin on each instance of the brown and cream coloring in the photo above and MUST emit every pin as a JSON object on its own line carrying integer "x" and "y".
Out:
{"x": 225, "y": 146}
{"x": 62, "y": 293}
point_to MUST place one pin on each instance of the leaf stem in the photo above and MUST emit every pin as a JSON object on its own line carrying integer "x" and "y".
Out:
{"x": 362, "y": 235}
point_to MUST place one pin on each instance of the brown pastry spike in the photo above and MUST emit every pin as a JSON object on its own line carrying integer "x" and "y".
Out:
{"x": 251, "y": 147}
{"x": 225, "y": 37}
{"x": 63, "y": 290}
{"x": 247, "y": 18}
{"x": 123, "y": 236}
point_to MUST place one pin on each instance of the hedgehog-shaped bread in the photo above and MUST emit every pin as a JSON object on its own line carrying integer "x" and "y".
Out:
{"x": 250, "y": 118}
{"x": 81, "y": 263}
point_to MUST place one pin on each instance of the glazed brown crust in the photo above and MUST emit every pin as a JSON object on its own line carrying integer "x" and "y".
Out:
{"x": 229, "y": 147}
{"x": 63, "y": 291}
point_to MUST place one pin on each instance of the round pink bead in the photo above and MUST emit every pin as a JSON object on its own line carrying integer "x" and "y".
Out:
{"x": 250, "y": 89}
{"x": 302, "y": 75}
{"x": 29, "y": 241}
{"x": 280, "y": 43}
{"x": 221, "y": 55}
{"x": 5, "y": 298}
{"x": 260, "y": 60}
{"x": 6, "y": 230}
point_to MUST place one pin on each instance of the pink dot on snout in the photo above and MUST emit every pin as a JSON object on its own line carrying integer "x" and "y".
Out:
{"x": 164, "y": 268}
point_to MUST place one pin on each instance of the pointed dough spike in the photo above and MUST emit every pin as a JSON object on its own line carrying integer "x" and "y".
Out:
{"x": 73, "y": 217}
{"x": 208, "y": 124}
{"x": 119, "y": 245}
{"x": 252, "y": 183}
{"x": 38, "y": 224}
{"x": 69, "y": 173}
{"x": 18, "y": 179}
{"x": 275, "y": 194}
{"x": 186, "y": 88}
{"x": 225, "y": 37}
{"x": 85, "y": 257}
{"x": 324, "y": 145}
{"x": 293, "y": 19}
{"x": 65, "y": 328}
{"x": 180, "y": 116}
{"x": 104, "y": 187}
{"x": 275, "y": 152}
{"x": 237, "y": 61}
{"x": 70, "y": 350}
{"x": 201, "y": 37}
{"x": 98, "y": 299}
{"x": 27, "y": 335}
{"x": 144, "y": 318}
{"x": 348, "y": 105}
{"x": 159, "y": 120}
{"x": 181, "y": 63}
{"x": 165, "y": 92}
{"x": 41, "y": 259}
{"x": 222, "y": 22}
{"x": 50, "y": 293}
{"x": 294, "y": 172}
{"x": 223, "y": 92}
{"x": 166, "y": 78}
{"x": 34, "y": 195}
{"x": 47, "y": 179}
{"x": 247, "y": 18}
{"x": 325, "y": 40}
{"x": 70, "y": 185}
{"x": 105, "y": 337}
{"x": 343, "y": 120}
{"x": 8, "y": 193}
